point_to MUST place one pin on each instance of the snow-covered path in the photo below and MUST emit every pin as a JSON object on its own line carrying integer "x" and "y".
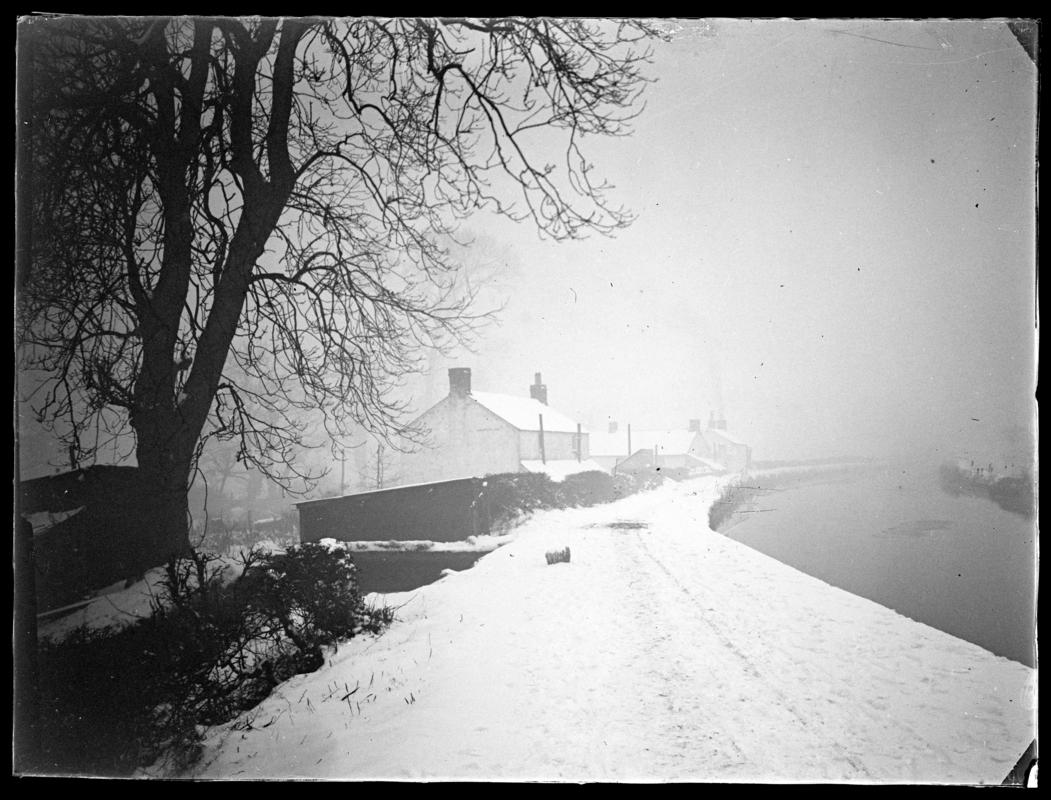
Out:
{"x": 661, "y": 652}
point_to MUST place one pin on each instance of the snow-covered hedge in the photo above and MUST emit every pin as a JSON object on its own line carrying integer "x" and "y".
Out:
{"x": 509, "y": 496}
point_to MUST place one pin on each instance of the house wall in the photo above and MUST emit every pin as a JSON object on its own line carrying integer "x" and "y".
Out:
{"x": 735, "y": 457}
{"x": 557, "y": 445}
{"x": 465, "y": 440}
{"x": 700, "y": 447}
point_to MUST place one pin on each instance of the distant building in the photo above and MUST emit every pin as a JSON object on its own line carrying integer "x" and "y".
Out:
{"x": 473, "y": 434}
{"x": 726, "y": 449}
{"x": 698, "y": 451}
{"x": 629, "y": 450}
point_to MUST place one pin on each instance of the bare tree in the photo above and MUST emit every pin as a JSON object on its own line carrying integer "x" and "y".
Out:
{"x": 236, "y": 221}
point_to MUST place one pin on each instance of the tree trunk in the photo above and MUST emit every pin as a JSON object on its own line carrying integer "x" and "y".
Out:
{"x": 161, "y": 510}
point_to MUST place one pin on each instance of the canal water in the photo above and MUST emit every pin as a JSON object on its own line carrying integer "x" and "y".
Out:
{"x": 960, "y": 564}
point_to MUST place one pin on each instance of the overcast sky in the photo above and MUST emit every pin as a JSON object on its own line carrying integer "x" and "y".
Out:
{"x": 834, "y": 246}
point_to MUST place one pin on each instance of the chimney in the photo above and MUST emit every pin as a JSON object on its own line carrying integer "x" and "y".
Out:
{"x": 711, "y": 421}
{"x": 613, "y": 427}
{"x": 695, "y": 426}
{"x": 459, "y": 381}
{"x": 538, "y": 391}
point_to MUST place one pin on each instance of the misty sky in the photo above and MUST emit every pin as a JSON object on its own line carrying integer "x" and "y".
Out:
{"x": 834, "y": 245}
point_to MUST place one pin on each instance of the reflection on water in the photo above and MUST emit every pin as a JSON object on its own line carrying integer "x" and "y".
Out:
{"x": 921, "y": 527}
{"x": 958, "y": 563}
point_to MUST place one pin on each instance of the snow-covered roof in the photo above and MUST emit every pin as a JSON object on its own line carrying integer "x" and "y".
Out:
{"x": 668, "y": 442}
{"x": 524, "y": 412}
{"x": 42, "y": 520}
{"x": 724, "y": 435}
{"x": 384, "y": 489}
{"x": 609, "y": 444}
{"x": 560, "y": 469}
{"x": 714, "y": 466}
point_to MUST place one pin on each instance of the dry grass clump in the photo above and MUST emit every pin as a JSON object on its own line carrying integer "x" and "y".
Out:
{"x": 555, "y": 556}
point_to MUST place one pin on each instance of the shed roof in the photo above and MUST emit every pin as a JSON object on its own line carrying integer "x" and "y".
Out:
{"x": 524, "y": 412}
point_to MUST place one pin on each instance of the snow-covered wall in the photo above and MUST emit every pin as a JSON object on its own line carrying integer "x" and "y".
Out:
{"x": 558, "y": 446}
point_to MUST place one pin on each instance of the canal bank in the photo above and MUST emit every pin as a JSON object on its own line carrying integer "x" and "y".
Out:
{"x": 661, "y": 652}
{"x": 890, "y": 534}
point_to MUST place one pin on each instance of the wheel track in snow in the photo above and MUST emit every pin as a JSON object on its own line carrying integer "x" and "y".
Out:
{"x": 748, "y": 666}
{"x": 689, "y": 738}
{"x": 872, "y": 713}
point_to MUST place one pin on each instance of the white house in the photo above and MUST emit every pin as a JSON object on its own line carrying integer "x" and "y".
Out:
{"x": 473, "y": 434}
{"x": 727, "y": 449}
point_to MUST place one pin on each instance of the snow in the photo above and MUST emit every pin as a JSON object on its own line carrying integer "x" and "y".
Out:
{"x": 559, "y": 470}
{"x": 707, "y": 463}
{"x": 42, "y": 520}
{"x": 472, "y": 544}
{"x": 661, "y": 652}
{"x": 113, "y": 606}
{"x": 719, "y": 433}
{"x": 524, "y": 412}
{"x": 119, "y": 604}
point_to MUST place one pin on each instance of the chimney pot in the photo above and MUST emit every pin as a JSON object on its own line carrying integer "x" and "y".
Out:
{"x": 613, "y": 427}
{"x": 538, "y": 391}
{"x": 460, "y": 381}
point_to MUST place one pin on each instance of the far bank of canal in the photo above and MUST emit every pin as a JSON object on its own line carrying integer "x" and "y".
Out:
{"x": 890, "y": 534}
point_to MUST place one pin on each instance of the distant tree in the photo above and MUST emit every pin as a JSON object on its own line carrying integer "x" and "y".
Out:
{"x": 215, "y": 198}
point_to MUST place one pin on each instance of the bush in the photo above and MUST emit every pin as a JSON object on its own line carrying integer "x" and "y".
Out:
{"x": 508, "y": 496}
{"x": 586, "y": 489}
{"x": 115, "y": 700}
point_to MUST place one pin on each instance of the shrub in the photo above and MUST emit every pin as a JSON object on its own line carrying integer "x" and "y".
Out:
{"x": 507, "y": 496}
{"x": 115, "y": 700}
{"x": 586, "y": 489}
{"x": 309, "y": 591}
